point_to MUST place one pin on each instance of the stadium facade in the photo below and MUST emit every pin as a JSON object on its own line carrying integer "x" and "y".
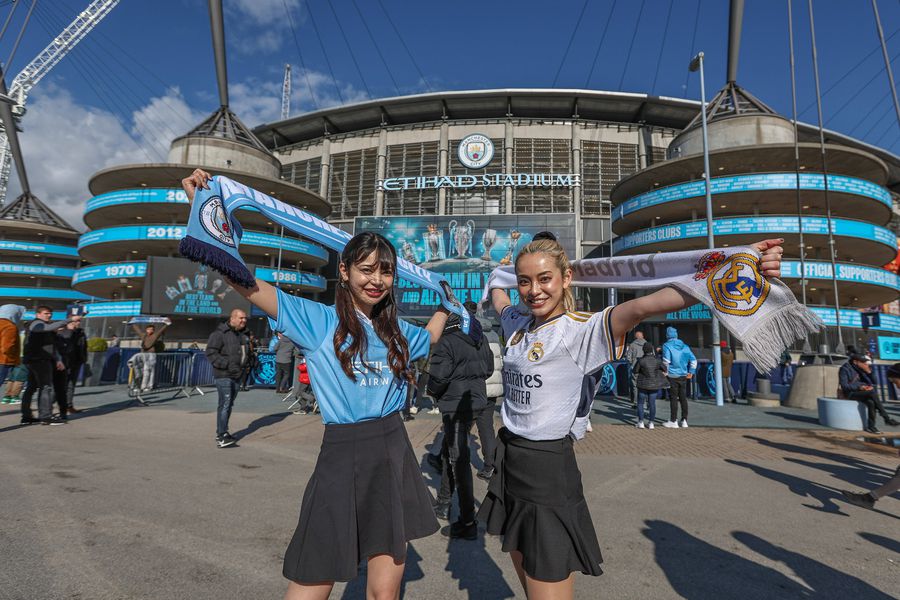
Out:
{"x": 568, "y": 160}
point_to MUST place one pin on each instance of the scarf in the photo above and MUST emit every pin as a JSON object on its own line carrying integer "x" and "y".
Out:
{"x": 762, "y": 313}
{"x": 214, "y": 236}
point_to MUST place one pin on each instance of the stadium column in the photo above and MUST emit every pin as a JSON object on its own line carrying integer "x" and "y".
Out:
{"x": 508, "y": 162}
{"x": 576, "y": 191}
{"x": 644, "y": 142}
{"x": 442, "y": 166}
{"x": 325, "y": 169}
{"x": 381, "y": 169}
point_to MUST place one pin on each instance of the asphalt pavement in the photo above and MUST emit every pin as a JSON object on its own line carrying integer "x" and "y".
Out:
{"x": 128, "y": 501}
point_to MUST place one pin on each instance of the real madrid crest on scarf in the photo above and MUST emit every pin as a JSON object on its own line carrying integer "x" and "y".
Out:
{"x": 536, "y": 352}
{"x": 736, "y": 287}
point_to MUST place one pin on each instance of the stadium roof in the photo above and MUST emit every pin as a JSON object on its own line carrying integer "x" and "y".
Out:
{"x": 29, "y": 212}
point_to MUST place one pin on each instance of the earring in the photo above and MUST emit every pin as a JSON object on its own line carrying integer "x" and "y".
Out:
{"x": 343, "y": 284}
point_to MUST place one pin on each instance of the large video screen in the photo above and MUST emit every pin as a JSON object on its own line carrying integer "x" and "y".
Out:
{"x": 463, "y": 248}
{"x": 177, "y": 286}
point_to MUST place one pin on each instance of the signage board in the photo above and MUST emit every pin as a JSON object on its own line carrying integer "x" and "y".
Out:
{"x": 177, "y": 286}
{"x": 464, "y": 249}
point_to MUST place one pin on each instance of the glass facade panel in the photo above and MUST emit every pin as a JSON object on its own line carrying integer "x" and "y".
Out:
{"x": 411, "y": 160}
{"x": 351, "y": 186}
{"x": 542, "y": 155}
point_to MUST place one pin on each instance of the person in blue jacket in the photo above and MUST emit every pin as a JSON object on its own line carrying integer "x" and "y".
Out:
{"x": 366, "y": 498}
{"x": 680, "y": 364}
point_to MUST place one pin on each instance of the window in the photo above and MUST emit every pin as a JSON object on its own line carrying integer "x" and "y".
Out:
{"x": 305, "y": 173}
{"x": 351, "y": 184}
{"x": 535, "y": 155}
{"x": 412, "y": 160}
{"x": 603, "y": 165}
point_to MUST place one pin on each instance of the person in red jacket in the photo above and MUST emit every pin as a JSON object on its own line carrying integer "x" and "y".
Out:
{"x": 306, "y": 399}
{"x": 10, "y": 346}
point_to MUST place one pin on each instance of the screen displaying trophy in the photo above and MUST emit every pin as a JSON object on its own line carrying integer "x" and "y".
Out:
{"x": 434, "y": 243}
{"x": 462, "y": 237}
{"x": 514, "y": 236}
{"x": 488, "y": 240}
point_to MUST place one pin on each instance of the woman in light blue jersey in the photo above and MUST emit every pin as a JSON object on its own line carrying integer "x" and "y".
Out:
{"x": 535, "y": 498}
{"x": 366, "y": 498}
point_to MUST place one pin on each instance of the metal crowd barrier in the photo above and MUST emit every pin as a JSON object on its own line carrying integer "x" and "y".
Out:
{"x": 180, "y": 372}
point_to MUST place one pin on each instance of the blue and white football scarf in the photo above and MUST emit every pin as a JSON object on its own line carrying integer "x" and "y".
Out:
{"x": 214, "y": 236}
{"x": 761, "y": 312}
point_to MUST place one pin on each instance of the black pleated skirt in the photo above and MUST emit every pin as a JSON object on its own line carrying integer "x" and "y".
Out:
{"x": 536, "y": 502}
{"x": 366, "y": 496}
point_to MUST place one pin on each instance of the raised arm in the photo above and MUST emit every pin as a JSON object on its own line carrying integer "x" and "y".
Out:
{"x": 437, "y": 323}
{"x": 262, "y": 294}
{"x": 628, "y": 315}
{"x": 500, "y": 300}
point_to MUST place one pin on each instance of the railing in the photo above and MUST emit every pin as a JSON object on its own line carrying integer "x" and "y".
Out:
{"x": 160, "y": 372}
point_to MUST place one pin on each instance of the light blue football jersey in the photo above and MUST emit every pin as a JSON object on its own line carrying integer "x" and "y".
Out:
{"x": 376, "y": 392}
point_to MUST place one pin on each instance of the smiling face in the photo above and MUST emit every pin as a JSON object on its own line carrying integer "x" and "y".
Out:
{"x": 369, "y": 281}
{"x": 541, "y": 284}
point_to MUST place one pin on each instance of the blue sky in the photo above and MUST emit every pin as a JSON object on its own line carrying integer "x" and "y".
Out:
{"x": 146, "y": 73}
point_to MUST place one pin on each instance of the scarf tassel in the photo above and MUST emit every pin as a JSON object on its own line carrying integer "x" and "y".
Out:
{"x": 765, "y": 341}
{"x": 217, "y": 258}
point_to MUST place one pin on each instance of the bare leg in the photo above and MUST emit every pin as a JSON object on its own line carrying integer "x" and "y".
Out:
{"x": 516, "y": 557}
{"x": 551, "y": 590}
{"x": 308, "y": 591}
{"x": 384, "y": 577}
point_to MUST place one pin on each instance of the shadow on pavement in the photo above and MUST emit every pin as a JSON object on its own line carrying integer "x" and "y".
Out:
{"x": 261, "y": 422}
{"x": 698, "y": 570}
{"x": 880, "y": 540}
{"x": 802, "y": 487}
{"x": 790, "y": 417}
{"x": 825, "y": 581}
{"x": 621, "y": 410}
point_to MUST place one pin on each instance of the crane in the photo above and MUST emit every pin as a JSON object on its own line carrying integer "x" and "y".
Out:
{"x": 55, "y": 51}
{"x": 286, "y": 93}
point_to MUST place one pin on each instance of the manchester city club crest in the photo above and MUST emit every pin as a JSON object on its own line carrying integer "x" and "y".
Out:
{"x": 475, "y": 151}
{"x": 213, "y": 220}
{"x": 536, "y": 352}
{"x": 737, "y": 287}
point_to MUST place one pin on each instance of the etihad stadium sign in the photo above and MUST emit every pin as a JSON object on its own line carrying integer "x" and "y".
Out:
{"x": 486, "y": 180}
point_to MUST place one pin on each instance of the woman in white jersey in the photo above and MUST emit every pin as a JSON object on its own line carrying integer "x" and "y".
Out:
{"x": 535, "y": 498}
{"x": 366, "y": 498}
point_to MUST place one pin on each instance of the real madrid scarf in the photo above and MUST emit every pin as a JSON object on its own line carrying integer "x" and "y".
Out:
{"x": 762, "y": 313}
{"x": 214, "y": 236}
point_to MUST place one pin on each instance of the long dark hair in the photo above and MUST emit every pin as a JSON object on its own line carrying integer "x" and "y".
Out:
{"x": 384, "y": 314}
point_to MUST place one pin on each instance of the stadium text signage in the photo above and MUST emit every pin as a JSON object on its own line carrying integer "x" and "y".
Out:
{"x": 487, "y": 180}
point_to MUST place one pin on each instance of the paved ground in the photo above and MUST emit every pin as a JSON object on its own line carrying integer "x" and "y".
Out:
{"x": 137, "y": 502}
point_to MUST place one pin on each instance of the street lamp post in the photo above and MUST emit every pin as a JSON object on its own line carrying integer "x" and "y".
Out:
{"x": 697, "y": 64}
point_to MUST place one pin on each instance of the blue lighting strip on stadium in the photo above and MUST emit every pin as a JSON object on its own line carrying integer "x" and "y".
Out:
{"x": 850, "y": 272}
{"x": 129, "y": 233}
{"x": 109, "y": 271}
{"x": 764, "y": 226}
{"x": 34, "y": 292}
{"x": 753, "y": 183}
{"x": 136, "y": 196}
{"x": 36, "y": 270}
{"x": 38, "y": 248}
{"x": 293, "y": 277}
{"x": 849, "y": 317}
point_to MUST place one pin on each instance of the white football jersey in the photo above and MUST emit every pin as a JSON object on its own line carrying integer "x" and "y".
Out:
{"x": 544, "y": 368}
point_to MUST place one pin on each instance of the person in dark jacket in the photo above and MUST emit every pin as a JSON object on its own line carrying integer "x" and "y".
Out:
{"x": 460, "y": 367}
{"x": 41, "y": 356}
{"x": 650, "y": 377}
{"x": 228, "y": 351}
{"x": 855, "y": 378}
{"x": 284, "y": 358}
{"x": 73, "y": 351}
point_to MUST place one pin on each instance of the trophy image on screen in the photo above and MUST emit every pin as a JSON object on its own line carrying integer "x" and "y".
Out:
{"x": 217, "y": 283}
{"x": 461, "y": 236}
{"x": 514, "y": 236}
{"x": 406, "y": 249}
{"x": 184, "y": 284}
{"x": 172, "y": 292}
{"x": 488, "y": 240}
{"x": 200, "y": 278}
{"x": 434, "y": 242}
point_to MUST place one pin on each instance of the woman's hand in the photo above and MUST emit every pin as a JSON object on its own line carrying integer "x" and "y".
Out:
{"x": 770, "y": 261}
{"x": 195, "y": 181}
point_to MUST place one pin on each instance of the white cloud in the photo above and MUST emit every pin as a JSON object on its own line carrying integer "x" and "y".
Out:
{"x": 266, "y": 12}
{"x": 262, "y": 25}
{"x": 64, "y": 143}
